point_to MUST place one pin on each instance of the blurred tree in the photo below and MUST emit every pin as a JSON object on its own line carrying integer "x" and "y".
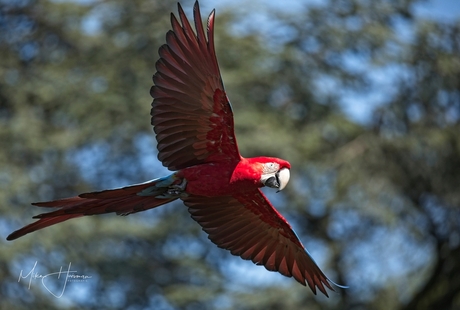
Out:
{"x": 377, "y": 204}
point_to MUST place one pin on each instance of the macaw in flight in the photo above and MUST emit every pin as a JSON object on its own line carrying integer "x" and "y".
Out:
{"x": 193, "y": 122}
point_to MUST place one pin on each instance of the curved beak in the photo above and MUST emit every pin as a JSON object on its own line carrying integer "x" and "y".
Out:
{"x": 279, "y": 180}
{"x": 283, "y": 178}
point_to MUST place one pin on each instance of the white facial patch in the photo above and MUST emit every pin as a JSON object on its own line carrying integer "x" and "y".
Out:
{"x": 270, "y": 168}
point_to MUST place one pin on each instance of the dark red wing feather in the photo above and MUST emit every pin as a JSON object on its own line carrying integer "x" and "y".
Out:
{"x": 191, "y": 114}
{"x": 250, "y": 227}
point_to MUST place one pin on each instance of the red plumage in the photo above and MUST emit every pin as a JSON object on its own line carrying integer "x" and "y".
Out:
{"x": 193, "y": 122}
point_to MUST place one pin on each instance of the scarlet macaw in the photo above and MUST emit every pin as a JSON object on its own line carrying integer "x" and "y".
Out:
{"x": 193, "y": 122}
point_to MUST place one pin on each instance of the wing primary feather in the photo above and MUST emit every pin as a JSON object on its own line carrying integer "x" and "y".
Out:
{"x": 188, "y": 40}
{"x": 251, "y": 248}
{"x": 198, "y": 24}
{"x": 247, "y": 243}
{"x": 210, "y": 30}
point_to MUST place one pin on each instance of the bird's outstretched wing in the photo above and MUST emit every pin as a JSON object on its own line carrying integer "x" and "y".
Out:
{"x": 249, "y": 226}
{"x": 191, "y": 114}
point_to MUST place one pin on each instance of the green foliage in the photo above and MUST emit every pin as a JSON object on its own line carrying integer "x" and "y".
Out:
{"x": 377, "y": 204}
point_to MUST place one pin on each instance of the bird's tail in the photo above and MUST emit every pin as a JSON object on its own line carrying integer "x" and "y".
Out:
{"x": 122, "y": 201}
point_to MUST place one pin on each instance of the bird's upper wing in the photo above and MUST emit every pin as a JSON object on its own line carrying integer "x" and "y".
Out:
{"x": 249, "y": 226}
{"x": 191, "y": 114}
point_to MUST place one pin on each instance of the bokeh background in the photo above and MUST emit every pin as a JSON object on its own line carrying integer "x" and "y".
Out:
{"x": 361, "y": 96}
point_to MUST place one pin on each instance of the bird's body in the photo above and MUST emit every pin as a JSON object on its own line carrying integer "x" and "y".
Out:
{"x": 226, "y": 178}
{"x": 193, "y": 121}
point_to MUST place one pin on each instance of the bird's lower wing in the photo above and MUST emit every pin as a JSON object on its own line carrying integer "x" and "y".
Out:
{"x": 249, "y": 226}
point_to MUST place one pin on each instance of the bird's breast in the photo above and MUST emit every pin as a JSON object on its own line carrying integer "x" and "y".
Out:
{"x": 220, "y": 179}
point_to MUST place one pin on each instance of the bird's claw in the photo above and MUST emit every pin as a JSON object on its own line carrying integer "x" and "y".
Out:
{"x": 166, "y": 188}
{"x": 174, "y": 191}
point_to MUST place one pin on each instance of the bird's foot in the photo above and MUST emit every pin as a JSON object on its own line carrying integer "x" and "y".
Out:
{"x": 174, "y": 190}
{"x": 166, "y": 188}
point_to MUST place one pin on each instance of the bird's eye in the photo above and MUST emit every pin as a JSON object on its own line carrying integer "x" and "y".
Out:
{"x": 270, "y": 168}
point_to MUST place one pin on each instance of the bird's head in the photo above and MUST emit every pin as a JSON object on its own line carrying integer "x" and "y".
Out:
{"x": 275, "y": 173}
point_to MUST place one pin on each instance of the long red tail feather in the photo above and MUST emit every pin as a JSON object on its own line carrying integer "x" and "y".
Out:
{"x": 122, "y": 201}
